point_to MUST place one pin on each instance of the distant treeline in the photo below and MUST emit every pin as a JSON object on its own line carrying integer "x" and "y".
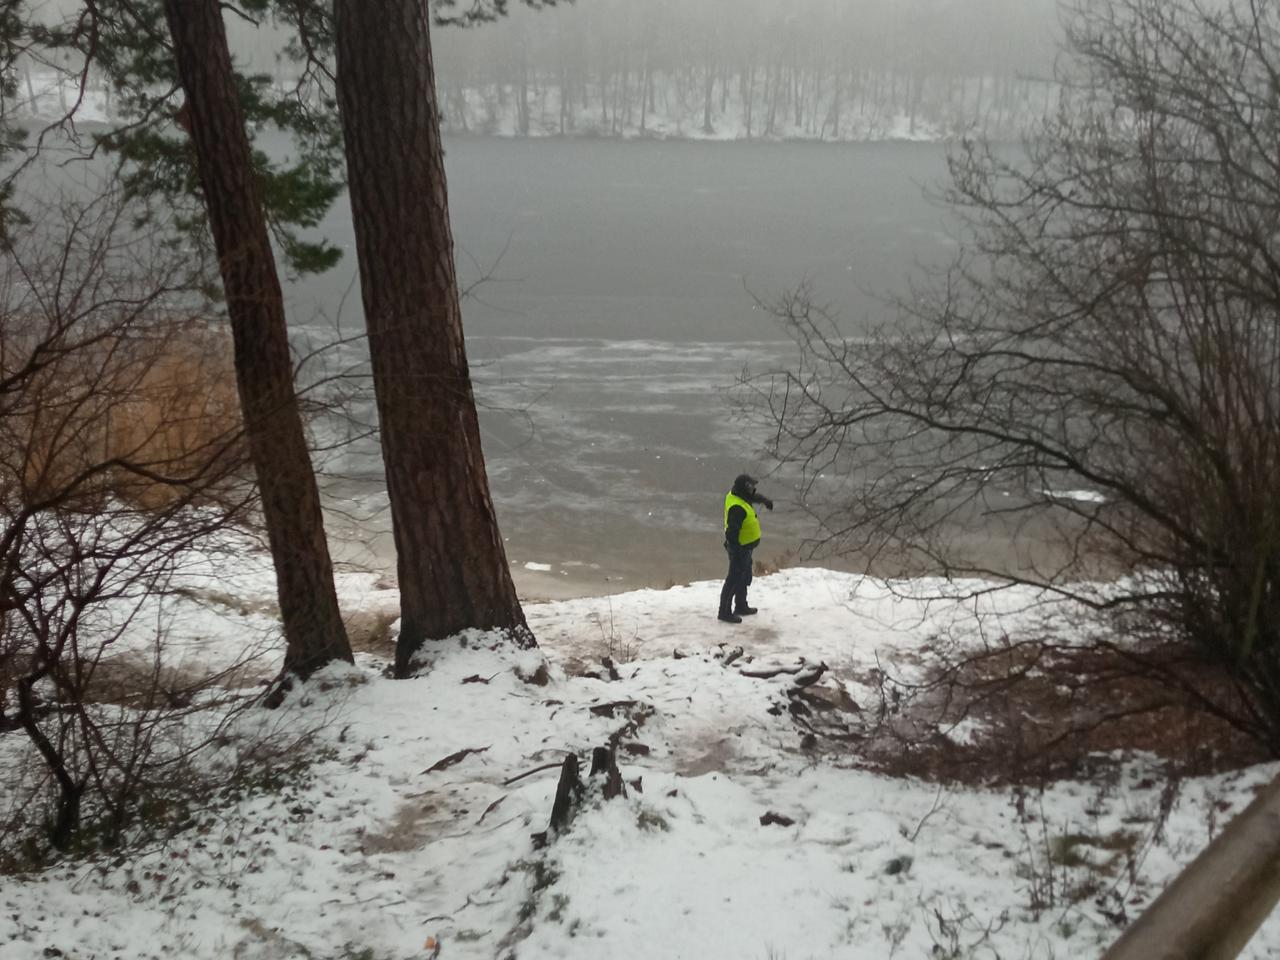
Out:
{"x": 828, "y": 69}
{"x": 814, "y": 69}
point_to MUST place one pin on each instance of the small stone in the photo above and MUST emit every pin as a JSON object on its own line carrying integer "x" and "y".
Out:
{"x": 772, "y": 818}
{"x": 897, "y": 865}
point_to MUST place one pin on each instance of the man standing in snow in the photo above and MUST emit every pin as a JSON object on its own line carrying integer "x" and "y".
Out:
{"x": 741, "y": 534}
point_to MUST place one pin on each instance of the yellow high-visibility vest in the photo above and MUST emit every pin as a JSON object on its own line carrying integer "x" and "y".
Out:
{"x": 750, "y": 531}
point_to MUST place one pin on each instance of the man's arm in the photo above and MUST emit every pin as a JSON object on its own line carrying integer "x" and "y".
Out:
{"x": 760, "y": 498}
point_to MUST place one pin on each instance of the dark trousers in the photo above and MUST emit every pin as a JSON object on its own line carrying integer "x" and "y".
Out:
{"x": 738, "y": 579}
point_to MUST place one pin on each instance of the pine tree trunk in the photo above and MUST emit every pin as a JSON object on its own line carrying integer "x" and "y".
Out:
{"x": 452, "y": 566}
{"x": 313, "y": 628}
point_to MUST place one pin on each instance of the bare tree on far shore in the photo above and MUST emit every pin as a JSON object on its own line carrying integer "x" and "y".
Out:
{"x": 1099, "y": 368}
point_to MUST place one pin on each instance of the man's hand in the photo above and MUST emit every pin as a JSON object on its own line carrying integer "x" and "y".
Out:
{"x": 767, "y": 502}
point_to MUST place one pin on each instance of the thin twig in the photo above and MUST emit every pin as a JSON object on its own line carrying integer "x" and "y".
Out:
{"x": 528, "y": 773}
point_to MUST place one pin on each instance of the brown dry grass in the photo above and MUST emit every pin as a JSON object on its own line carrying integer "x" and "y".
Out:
{"x": 369, "y": 631}
{"x": 1044, "y": 713}
{"x": 165, "y": 405}
{"x": 134, "y": 680}
{"x": 786, "y": 559}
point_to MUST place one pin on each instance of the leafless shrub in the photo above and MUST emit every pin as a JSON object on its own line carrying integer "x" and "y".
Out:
{"x": 957, "y": 933}
{"x": 1038, "y": 708}
{"x": 1092, "y": 390}
{"x": 120, "y": 453}
{"x": 615, "y": 645}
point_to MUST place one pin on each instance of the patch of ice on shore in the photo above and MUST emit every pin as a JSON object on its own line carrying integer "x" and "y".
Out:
{"x": 1085, "y": 496}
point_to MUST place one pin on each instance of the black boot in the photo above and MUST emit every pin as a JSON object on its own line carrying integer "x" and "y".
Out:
{"x": 728, "y": 617}
{"x": 742, "y": 610}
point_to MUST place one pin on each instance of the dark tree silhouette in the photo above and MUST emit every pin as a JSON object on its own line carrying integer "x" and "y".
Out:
{"x": 313, "y": 626}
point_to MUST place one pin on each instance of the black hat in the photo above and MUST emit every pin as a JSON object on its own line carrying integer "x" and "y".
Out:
{"x": 743, "y": 483}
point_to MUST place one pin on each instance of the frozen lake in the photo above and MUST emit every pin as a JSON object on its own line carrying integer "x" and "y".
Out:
{"x": 616, "y": 320}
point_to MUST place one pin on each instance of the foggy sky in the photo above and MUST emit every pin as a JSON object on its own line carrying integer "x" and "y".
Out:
{"x": 952, "y": 36}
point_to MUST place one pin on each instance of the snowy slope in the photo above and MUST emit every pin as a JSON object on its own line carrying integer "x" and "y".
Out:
{"x": 371, "y": 852}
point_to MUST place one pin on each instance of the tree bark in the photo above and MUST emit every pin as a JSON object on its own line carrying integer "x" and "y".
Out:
{"x": 313, "y": 628}
{"x": 452, "y": 565}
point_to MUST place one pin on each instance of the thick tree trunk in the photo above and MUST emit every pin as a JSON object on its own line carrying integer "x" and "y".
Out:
{"x": 452, "y": 566}
{"x": 264, "y": 369}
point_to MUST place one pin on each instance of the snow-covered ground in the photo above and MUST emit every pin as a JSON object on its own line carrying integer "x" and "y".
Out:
{"x": 396, "y": 835}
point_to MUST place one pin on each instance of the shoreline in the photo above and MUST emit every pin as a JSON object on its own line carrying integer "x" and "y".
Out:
{"x": 660, "y": 562}
{"x": 539, "y": 586}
